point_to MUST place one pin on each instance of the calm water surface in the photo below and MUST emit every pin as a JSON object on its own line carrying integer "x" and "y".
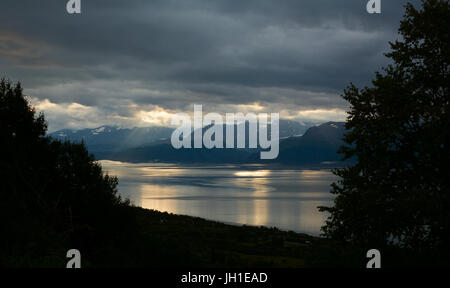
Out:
{"x": 253, "y": 195}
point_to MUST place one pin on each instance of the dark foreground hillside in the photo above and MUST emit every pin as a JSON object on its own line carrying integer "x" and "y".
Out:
{"x": 175, "y": 241}
{"x": 168, "y": 240}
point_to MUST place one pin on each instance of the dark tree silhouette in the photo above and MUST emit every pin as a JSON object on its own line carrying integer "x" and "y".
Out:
{"x": 398, "y": 194}
{"x": 53, "y": 195}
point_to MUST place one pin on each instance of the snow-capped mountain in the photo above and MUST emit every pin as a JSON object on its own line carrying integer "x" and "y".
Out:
{"x": 107, "y": 139}
{"x": 110, "y": 138}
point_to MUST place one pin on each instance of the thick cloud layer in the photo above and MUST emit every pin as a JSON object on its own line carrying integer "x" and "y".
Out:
{"x": 123, "y": 58}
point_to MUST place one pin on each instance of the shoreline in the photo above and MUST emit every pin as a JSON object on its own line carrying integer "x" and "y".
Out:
{"x": 249, "y": 166}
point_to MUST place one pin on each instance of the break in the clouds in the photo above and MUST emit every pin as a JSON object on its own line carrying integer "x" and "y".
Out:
{"x": 135, "y": 62}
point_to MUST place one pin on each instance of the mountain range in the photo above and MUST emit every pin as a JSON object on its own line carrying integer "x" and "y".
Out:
{"x": 113, "y": 139}
{"x": 300, "y": 144}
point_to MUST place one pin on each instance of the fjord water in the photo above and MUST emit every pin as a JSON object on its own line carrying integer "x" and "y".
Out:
{"x": 252, "y": 195}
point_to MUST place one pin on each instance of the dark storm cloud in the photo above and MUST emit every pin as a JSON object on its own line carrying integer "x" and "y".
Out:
{"x": 174, "y": 53}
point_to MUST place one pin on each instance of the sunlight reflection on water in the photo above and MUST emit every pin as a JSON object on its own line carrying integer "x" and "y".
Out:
{"x": 286, "y": 199}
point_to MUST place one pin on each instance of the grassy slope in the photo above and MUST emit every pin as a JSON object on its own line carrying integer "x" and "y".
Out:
{"x": 212, "y": 244}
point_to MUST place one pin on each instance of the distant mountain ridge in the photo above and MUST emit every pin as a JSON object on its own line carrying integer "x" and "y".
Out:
{"x": 108, "y": 139}
{"x": 317, "y": 146}
{"x": 300, "y": 144}
{"x": 113, "y": 139}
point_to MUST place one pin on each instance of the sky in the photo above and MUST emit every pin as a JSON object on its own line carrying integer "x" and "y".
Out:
{"x": 137, "y": 62}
